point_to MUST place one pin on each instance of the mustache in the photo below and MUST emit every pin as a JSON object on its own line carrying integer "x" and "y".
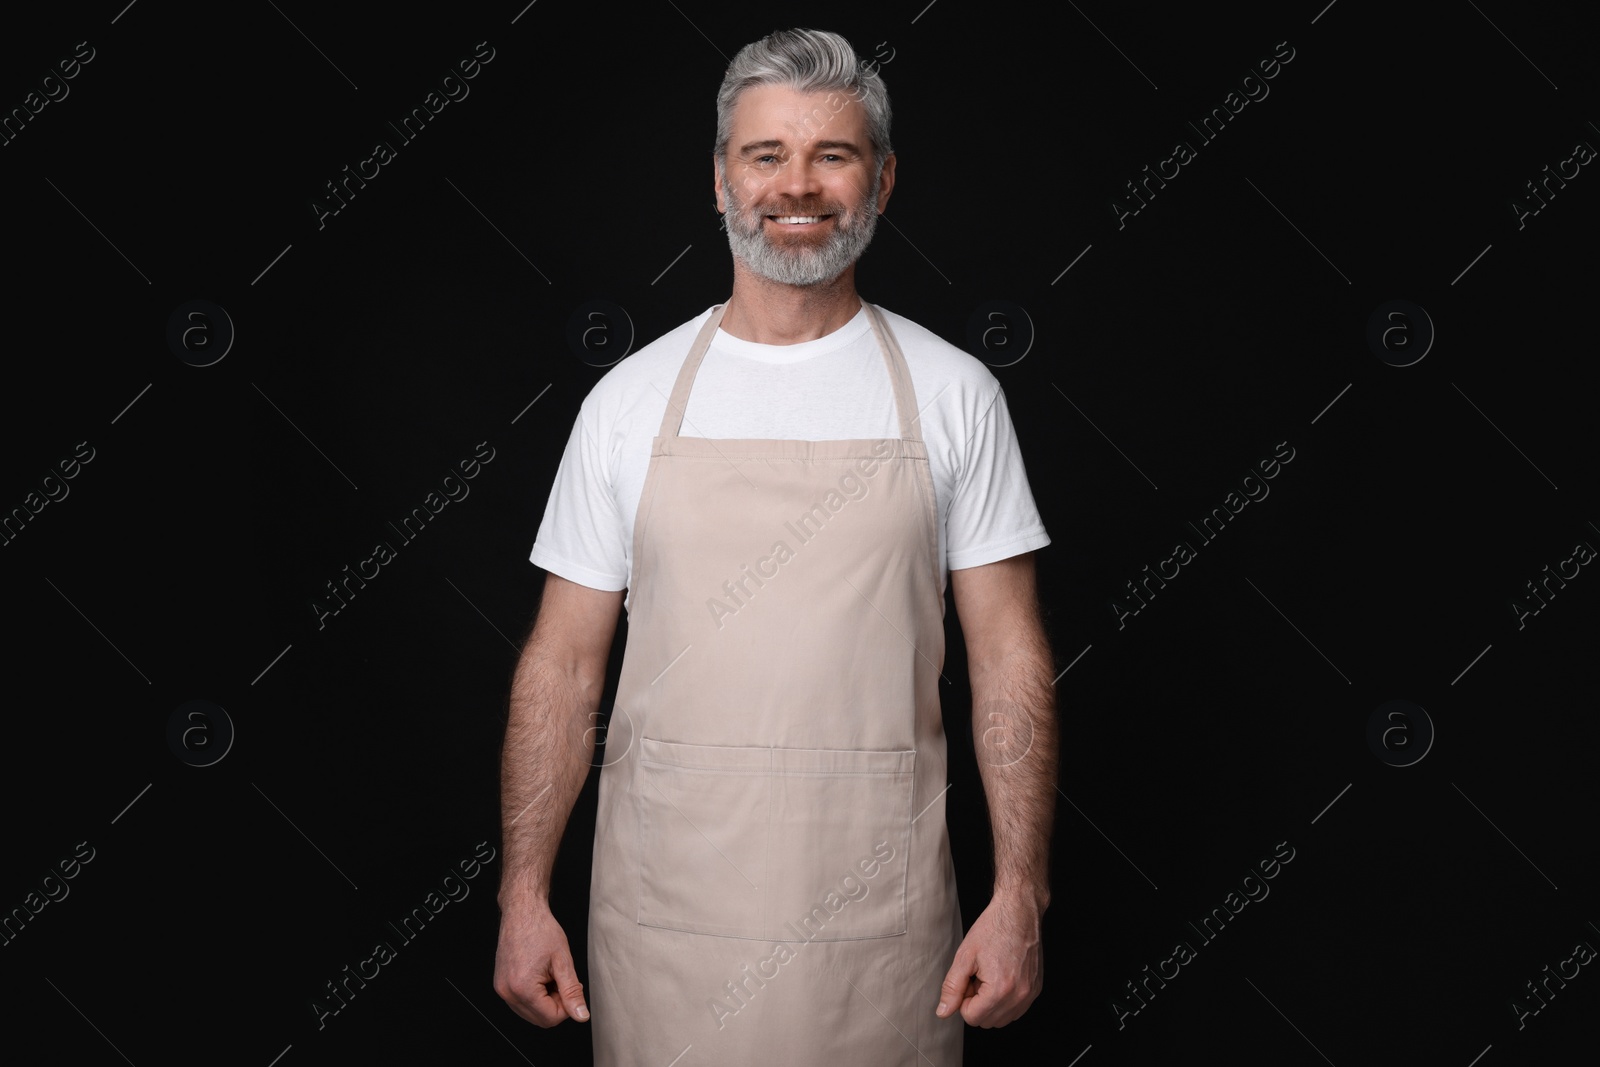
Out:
{"x": 799, "y": 207}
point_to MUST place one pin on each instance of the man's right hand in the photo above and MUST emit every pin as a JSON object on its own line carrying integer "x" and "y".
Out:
{"x": 533, "y": 969}
{"x": 547, "y": 756}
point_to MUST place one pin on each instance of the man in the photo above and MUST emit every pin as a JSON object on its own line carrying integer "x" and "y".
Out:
{"x": 776, "y": 492}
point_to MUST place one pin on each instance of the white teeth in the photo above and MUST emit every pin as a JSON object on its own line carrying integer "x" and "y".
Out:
{"x": 794, "y": 220}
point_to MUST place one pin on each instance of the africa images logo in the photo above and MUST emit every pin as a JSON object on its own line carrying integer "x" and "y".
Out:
{"x": 743, "y": 988}
{"x": 804, "y": 529}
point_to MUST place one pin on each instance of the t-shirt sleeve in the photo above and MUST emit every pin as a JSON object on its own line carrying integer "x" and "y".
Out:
{"x": 580, "y": 537}
{"x": 992, "y": 512}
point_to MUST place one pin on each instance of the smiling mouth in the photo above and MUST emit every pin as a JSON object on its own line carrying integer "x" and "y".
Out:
{"x": 797, "y": 220}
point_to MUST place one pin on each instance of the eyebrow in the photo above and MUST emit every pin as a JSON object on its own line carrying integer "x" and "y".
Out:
{"x": 761, "y": 146}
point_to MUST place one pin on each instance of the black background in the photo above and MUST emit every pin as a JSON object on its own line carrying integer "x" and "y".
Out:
{"x": 375, "y": 351}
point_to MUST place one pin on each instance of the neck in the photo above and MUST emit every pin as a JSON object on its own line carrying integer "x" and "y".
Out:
{"x": 772, "y": 313}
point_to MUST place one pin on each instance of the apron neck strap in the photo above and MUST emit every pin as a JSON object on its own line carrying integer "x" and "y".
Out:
{"x": 905, "y": 397}
{"x": 678, "y": 402}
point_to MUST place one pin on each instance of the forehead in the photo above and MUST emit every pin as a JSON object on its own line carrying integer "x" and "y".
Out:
{"x": 766, "y": 113}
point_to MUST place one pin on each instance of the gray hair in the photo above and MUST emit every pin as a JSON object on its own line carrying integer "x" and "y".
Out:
{"x": 808, "y": 61}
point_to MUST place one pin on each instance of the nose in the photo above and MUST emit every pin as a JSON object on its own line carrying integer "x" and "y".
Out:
{"x": 798, "y": 177}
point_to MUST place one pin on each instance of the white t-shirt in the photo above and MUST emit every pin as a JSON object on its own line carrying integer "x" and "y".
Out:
{"x": 834, "y": 388}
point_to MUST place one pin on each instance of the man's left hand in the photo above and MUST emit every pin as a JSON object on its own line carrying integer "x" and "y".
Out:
{"x": 999, "y": 968}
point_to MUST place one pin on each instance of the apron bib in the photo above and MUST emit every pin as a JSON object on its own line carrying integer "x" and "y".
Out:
{"x": 772, "y": 881}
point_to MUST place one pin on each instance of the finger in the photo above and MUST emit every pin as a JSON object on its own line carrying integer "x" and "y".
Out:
{"x": 532, "y": 1005}
{"x": 955, "y": 988}
{"x": 995, "y": 1004}
{"x": 540, "y": 1007}
{"x": 530, "y": 997}
{"x": 568, "y": 988}
{"x": 988, "y": 1009}
{"x": 980, "y": 1004}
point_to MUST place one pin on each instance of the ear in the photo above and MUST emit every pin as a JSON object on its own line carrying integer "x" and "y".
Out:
{"x": 886, "y": 182}
{"x": 716, "y": 180}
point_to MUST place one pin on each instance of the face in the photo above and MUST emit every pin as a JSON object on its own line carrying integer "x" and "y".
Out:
{"x": 800, "y": 194}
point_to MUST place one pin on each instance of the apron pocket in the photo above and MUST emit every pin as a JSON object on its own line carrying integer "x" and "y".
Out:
{"x": 774, "y": 844}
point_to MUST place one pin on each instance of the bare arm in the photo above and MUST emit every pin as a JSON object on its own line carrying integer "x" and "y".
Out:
{"x": 1014, "y": 718}
{"x": 549, "y": 749}
{"x": 998, "y": 970}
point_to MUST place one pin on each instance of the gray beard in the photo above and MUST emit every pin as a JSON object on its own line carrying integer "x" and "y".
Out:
{"x": 852, "y": 233}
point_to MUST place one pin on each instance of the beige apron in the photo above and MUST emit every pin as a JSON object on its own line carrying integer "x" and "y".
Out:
{"x": 772, "y": 879}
